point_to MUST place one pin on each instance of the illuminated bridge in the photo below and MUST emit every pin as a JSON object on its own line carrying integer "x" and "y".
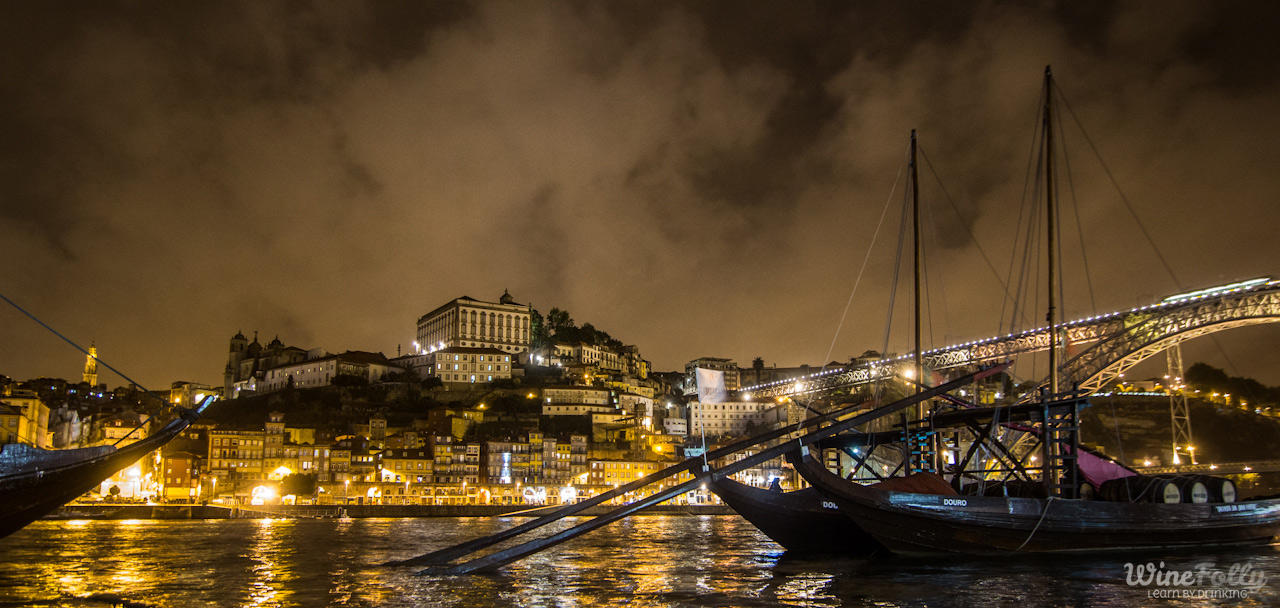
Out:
{"x": 1112, "y": 342}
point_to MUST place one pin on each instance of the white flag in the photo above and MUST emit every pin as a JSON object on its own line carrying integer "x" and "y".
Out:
{"x": 710, "y": 385}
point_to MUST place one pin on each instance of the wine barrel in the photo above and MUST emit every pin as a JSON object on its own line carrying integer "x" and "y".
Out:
{"x": 1140, "y": 488}
{"x": 1220, "y": 489}
{"x": 1193, "y": 489}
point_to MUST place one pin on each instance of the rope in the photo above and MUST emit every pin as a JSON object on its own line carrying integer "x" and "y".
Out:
{"x": 897, "y": 271}
{"x": 1125, "y": 199}
{"x": 858, "y": 281}
{"x": 972, "y": 237}
{"x": 104, "y": 363}
{"x": 1047, "y": 504}
{"x": 1075, "y": 207}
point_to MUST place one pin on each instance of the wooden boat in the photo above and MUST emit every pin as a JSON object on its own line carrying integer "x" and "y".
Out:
{"x": 802, "y": 521}
{"x": 35, "y": 482}
{"x": 941, "y": 521}
{"x": 930, "y": 524}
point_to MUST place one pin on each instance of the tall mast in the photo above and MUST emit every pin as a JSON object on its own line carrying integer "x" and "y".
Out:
{"x": 915, "y": 245}
{"x": 1048, "y": 185}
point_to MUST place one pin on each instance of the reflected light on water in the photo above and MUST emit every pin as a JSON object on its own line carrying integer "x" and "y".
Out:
{"x": 641, "y": 562}
{"x": 270, "y": 553}
{"x": 808, "y": 589}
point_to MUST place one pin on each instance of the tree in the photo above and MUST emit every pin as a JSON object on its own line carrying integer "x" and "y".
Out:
{"x": 538, "y": 336}
{"x": 347, "y": 380}
{"x": 558, "y": 320}
{"x": 758, "y": 365}
{"x": 298, "y": 484}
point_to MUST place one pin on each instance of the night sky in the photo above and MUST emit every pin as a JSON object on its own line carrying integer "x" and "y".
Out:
{"x": 698, "y": 179}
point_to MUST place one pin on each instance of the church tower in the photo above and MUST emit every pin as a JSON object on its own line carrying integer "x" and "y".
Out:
{"x": 91, "y": 366}
{"x": 239, "y": 346}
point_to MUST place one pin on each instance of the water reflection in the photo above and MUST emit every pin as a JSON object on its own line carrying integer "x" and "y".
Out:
{"x": 651, "y": 561}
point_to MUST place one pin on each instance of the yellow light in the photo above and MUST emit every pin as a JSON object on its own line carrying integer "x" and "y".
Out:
{"x": 283, "y": 471}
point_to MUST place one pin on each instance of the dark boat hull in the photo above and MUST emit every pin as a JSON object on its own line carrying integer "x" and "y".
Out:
{"x": 802, "y": 521}
{"x": 929, "y": 524}
{"x": 34, "y": 490}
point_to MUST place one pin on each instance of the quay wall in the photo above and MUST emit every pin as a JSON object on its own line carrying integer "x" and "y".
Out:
{"x": 103, "y": 511}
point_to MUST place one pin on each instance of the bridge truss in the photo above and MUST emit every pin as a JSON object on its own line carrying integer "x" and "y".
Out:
{"x": 1116, "y": 341}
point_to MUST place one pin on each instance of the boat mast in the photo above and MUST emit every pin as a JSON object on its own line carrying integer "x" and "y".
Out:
{"x": 915, "y": 228}
{"x": 1048, "y": 184}
{"x": 928, "y": 446}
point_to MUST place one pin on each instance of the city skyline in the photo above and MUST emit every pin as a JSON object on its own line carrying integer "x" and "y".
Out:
{"x": 694, "y": 179}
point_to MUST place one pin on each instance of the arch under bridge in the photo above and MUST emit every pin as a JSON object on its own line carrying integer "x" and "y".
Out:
{"x": 1105, "y": 345}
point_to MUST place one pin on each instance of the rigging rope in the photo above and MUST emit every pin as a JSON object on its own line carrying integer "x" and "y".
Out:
{"x": 1125, "y": 199}
{"x": 104, "y": 363}
{"x": 858, "y": 281}
{"x": 1075, "y": 207}
{"x": 1047, "y": 503}
{"x": 893, "y": 288}
{"x": 1027, "y": 188}
{"x": 968, "y": 230}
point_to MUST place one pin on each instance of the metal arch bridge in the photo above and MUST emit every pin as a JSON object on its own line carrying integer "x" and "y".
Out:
{"x": 1117, "y": 340}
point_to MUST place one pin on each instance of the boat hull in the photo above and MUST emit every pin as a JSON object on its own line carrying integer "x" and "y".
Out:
{"x": 48, "y": 479}
{"x": 802, "y": 521}
{"x": 929, "y": 524}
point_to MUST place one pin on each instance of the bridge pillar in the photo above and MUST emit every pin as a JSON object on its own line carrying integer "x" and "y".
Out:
{"x": 1179, "y": 412}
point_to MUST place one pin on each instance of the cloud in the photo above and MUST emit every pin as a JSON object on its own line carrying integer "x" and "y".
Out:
{"x": 696, "y": 180}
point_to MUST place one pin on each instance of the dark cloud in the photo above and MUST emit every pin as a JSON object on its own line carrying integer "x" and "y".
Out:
{"x": 697, "y": 178}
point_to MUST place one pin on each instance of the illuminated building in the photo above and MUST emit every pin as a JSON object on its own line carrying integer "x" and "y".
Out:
{"x": 534, "y": 459}
{"x": 325, "y": 369}
{"x": 10, "y": 419}
{"x": 181, "y": 475}
{"x": 32, "y": 420}
{"x": 119, "y": 429}
{"x": 414, "y": 466}
{"x": 732, "y": 376}
{"x": 454, "y": 462}
{"x": 234, "y": 457}
{"x": 247, "y": 362}
{"x": 470, "y": 323}
{"x": 461, "y": 367}
{"x": 621, "y": 472}
{"x": 734, "y": 417}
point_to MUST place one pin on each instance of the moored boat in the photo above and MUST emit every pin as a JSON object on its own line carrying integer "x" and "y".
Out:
{"x": 802, "y": 521}
{"x": 931, "y": 524}
{"x": 35, "y": 482}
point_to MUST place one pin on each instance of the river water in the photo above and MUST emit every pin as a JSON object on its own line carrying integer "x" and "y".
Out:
{"x": 648, "y": 561}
